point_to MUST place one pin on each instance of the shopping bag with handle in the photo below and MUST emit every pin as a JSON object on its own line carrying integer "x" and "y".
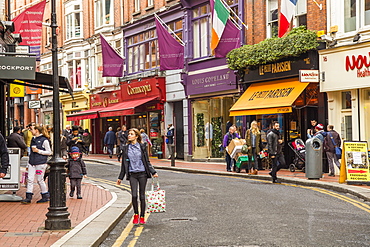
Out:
{"x": 155, "y": 199}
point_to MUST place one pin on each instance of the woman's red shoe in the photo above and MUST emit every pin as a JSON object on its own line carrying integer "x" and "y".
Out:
{"x": 136, "y": 219}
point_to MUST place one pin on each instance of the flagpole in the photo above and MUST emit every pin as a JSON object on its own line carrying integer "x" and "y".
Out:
{"x": 232, "y": 11}
{"x": 162, "y": 22}
{"x": 111, "y": 46}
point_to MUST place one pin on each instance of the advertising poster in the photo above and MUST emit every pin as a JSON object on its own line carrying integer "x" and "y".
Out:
{"x": 356, "y": 161}
{"x": 11, "y": 179}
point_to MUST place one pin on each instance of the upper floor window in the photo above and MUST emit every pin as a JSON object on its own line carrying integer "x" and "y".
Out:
{"x": 356, "y": 14}
{"x": 201, "y": 31}
{"x": 301, "y": 14}
{"x": 103, "y": 12}
{"x": 137, "y": 5}
{"x": 272, "y": 18}
{"x": 73, "y": 22}
{"x": 150, "y": 3}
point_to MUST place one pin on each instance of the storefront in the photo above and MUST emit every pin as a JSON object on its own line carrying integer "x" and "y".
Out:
{"x": 274, "y": 93}
{"x": 346, "y": 72}
{"x": 47, "y": 110}
{"x": 139, "y": 104}
{"x": 210, "y": 87}
{"x": 73, "y": 105}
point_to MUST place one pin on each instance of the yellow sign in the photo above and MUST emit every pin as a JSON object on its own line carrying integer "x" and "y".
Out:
{"x": 16, "y": 90}
{"x": 356, "y": 161}
{"x": 268, "y": 98}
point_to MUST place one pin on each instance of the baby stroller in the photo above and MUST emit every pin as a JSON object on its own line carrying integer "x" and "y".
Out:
{"x": 299, "y": 150}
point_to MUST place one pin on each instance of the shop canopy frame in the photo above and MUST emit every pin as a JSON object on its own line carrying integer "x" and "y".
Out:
{"x": 119, "y": 109}
{"x": 43, "y": 81}
{"x": 268, "y": 98}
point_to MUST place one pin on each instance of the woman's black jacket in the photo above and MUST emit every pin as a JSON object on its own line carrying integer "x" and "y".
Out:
{"x": 125, "y": 162}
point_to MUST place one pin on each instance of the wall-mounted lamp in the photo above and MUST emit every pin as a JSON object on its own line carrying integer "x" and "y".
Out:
{"x": 357, "y": 37}
{"x": 102, "y": 89}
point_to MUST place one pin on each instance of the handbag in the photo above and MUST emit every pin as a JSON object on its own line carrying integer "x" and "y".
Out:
{"x": 155, "y": 199}
{"x": 244, "y": 149}
{"x": 338, "y": 150}
{"x": 105, "y": 149}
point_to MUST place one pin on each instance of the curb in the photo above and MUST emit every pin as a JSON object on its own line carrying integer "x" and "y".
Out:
{"x": 95, "y": 229}
{"x": 343, "y": 188}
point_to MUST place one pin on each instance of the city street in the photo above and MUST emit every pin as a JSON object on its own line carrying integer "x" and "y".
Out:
{"x": 207, "y": 210}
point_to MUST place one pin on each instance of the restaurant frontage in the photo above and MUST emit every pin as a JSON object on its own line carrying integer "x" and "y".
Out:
{"x": 274, "y": 92}
{"x": 139, "y": 104}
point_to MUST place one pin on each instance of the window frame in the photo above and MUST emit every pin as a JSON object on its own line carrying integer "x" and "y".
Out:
{"x": 269, "y": 23}
{"x": 100, "y": 19}
{"x": 70, "y": 21}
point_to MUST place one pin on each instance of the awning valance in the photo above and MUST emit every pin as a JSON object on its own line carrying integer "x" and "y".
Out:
{"x": 268, "y": 98}
{"x": 119, "y": 109}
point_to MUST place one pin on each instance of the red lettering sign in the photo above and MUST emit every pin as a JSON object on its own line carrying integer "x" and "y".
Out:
{"x": 357, "y": 63}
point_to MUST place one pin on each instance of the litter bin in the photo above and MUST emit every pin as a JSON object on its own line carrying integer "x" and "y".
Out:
{"x": 314, "y": 158}
{"x": 160, "y": 155}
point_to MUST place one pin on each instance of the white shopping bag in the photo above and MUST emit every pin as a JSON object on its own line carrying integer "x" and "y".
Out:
{"x": 155, "y": 199}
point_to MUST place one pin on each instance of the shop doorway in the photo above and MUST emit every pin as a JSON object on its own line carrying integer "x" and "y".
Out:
{"x": 179, "y": 129}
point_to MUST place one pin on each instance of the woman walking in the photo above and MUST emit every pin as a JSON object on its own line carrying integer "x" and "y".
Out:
{"x": 40, "y": 150}
{"x": 253, "y": 141}
{"x": 137, "y": 169}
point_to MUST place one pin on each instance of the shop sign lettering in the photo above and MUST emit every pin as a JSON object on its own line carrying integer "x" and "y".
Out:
{"x": 138, "y": 90}
{"x": 210, "y": 79}
{"x": 97, "y": 104}
{"x": 358, "y": 62}
{"x": 272, "y": 94}
{"x": 275, "y": 67}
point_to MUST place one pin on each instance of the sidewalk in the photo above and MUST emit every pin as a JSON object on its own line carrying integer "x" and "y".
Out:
{"x": 23, "y": 225}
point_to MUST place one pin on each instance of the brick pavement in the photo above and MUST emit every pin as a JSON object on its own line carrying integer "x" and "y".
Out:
{"x": 22, "y": 225}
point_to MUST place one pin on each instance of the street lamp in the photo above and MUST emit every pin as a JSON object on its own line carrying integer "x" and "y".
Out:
{"x": 57, "y": 217}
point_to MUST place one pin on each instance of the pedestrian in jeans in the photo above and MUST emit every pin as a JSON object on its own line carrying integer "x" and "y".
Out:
{"x": 76, "y": 171}
{"x": 275, "y": 142}
{"x": 137, "y": 169}
{"x": 227, "y": 139}
{"x": 40, "y": 150}
{"x": 122, "y": 135}
{"x": 110, "y": 141}
{"x": 254, "y": 143}
{"x": 332, "y": 139}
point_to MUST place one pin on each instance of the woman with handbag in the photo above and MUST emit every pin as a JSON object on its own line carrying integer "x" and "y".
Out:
{"x": 137, "y": 169}
{"x": 253, "y": 141}
{"x": 331, "y": 142}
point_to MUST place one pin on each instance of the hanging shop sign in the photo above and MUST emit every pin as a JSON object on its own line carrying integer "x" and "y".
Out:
{"x": 22, "y": 68}
{"x": 282, "y": 69}
{"x": 309, "y": 75}
{"x": 34, "y": 104}
{"x": 356, "y": 161}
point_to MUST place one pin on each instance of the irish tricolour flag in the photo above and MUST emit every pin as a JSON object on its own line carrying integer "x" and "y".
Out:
{"x": 286, "y": 14}
{"x": 220, "y": 16}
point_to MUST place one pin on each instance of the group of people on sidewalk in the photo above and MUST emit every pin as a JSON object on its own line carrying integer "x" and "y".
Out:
{"x": 330, "y": 140}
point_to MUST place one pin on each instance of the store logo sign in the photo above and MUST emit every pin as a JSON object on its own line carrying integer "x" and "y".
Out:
{"x": 358, "y": 63}
{"x": 274, "y": 93}
{"x": 139, "y": 90}
{"x": 21, "y": 68}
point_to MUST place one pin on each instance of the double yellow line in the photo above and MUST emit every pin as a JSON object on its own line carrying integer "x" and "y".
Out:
{"x": 130, "y": 225}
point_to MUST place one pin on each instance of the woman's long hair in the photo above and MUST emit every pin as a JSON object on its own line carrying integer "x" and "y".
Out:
{"x": 255, "y": 130}
{"x": 137, "y": 133}
{"x": 42, "y": 130}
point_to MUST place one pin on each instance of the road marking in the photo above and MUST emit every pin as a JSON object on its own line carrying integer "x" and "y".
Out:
{"x": 356, "y": 203}
{"x": 137, "y": 233}
{"x": 125, "y": 186}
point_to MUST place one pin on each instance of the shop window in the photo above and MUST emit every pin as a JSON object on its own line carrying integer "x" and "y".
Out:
{"x": 366, "y": 107}
{"x": 346, "y": 100}
{"x": 209, "y": 126}
{"x": 74, "y": 73}
{"x": 265, "y": 123}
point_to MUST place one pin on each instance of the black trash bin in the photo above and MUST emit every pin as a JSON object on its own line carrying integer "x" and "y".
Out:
{"x": 160, "y": 155}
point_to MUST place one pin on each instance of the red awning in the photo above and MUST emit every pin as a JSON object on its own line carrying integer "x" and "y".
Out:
{"x": 124, "y": 108}
{"x": 88, "y": 114}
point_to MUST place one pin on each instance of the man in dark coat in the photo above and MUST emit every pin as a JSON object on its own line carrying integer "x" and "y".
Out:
{"x": 122, "y": 136}
{"x": 274, "y": 144}
{"x": 15, "y": 140}
{"x": 332, "y": 137}
{"x": 4, "y": 156}
{"x": 110, "y": 140}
